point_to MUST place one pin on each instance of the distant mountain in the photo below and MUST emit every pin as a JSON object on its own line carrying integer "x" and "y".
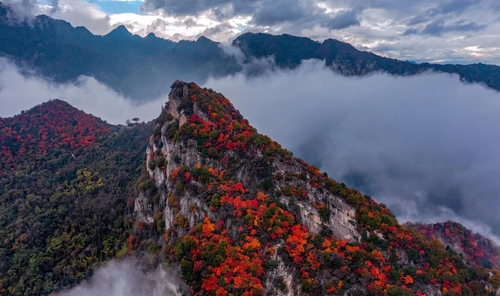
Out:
{"x": 343, "y": 58}
{"x": 142, "y": 68}
{"x": 474, "y": 247}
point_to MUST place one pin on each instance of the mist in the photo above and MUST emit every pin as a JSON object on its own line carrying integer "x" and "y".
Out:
{"x": 21, "y": 92}
{"x": 427, "y": 146}
{"x": 126, "y": 278}
{"x": 424, "y": 145}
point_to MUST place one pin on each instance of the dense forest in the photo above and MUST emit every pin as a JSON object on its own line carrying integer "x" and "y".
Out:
{"x": 474, "y": 247}
{"x": 65, "y": 182}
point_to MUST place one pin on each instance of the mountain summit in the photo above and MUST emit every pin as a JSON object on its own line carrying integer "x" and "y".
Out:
{"x": 240, "y": 215}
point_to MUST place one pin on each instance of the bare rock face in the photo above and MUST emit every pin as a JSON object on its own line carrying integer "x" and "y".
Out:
{"x": 341, "y": 220}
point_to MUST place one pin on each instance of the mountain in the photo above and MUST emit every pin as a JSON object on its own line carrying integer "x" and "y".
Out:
{"x": 54, "y": 124}
{"x": 65, "y": 179}
{"x": 239, "y": 215}
{"x": 474, "y": 247}
{"x": 142, "y": 68}
{"x": 343, "y": 58}
{"x": 200, "y": 190}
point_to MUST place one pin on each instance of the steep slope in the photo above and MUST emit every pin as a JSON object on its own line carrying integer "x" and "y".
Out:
{"x": 240, "y": 215}
{"x": 474, "y": 247}
{"x": 65, "y": 181}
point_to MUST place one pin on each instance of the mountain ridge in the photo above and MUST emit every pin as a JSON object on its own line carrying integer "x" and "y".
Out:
{"x": 142, "y": 66}
{"x": 474, "y": 247}
{"x": 239, "y": 214}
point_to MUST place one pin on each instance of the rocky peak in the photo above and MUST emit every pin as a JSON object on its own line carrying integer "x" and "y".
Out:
{"x": 239, "y": 214}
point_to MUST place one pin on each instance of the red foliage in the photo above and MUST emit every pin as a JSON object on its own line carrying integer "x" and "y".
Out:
{"x": 46, "y": 127}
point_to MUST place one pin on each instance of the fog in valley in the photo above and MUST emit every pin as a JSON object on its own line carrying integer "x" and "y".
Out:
{"x": 427, "y": 145}
{"x": 127, "y": 278}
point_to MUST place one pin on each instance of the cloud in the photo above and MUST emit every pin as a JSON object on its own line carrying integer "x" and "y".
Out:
{"x": 262, "y": 13}
{"x": 127, "y": 278}
{"x": 18, "y": 92}
{"x": 427, "y": 145}
{"x": 438, "y": 27}
{"x": 343, "y": 19}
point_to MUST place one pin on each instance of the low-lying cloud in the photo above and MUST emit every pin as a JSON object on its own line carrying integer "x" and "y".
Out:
{"x": 426, "y": 145}
{"x": 20, "y": 92}
{"x": 127, "y": 278}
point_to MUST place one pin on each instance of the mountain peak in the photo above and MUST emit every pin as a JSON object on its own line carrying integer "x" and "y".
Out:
{"x": 151, "y": 35}
{"x": 239, "y": 214}
{"x": 189, "y": 101}
{"x": 49, "y": 126}
{"x": 119, "y": 32}
{"x": 203, "y": 39}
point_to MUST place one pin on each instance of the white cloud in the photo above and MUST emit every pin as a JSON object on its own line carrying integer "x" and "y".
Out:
{"x": 78, "y": 13}
{"x": 127, "y": 278}
{"x": 19, "y": 93}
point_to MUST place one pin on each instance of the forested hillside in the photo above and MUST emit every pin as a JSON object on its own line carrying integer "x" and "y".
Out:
{"x": 474, "y": 247}
{"x": 65, "y": 180}
{"x": 240, "y": 215}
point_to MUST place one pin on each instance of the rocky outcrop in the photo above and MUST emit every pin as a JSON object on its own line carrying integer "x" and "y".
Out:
{"x": 239, "y": 214}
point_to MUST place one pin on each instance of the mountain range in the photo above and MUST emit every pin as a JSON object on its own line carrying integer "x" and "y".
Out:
{"x": 201, "y": 190}
{"x": 142, "y": 68}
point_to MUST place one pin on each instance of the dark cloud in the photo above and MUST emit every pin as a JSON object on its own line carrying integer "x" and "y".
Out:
{"x": 427, "y": 145}
{"x": 410, "y": 32}
{"x": 301, "y": 13}
{"x": 439, "y": 27}
{"x": 343, "y": 19}
{"x": 455, "y": 6}
{"x": 279, "y": 11}
{"x": 185, "y": 7}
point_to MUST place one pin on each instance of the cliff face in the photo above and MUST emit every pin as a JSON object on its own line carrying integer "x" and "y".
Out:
{"x": 179, "y": 154}
{"x": 239, "y": 214}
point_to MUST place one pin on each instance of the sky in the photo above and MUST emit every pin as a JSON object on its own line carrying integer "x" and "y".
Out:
{"x": 444, "y": 31}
